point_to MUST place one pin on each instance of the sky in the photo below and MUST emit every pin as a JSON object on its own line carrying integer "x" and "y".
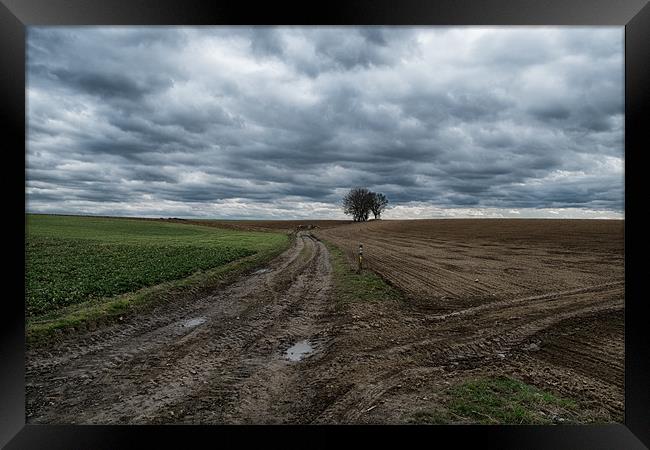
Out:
{"x": 280, "y": 122}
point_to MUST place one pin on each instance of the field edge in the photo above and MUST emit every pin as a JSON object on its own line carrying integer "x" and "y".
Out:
{"x": 89, "y": 315}
{"x": 352, "y": 287}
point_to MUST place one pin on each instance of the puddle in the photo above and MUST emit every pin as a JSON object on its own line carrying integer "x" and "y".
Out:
{"x": 257, "y": 272}
{"x": 298, "y": 351}
{"x": 194, "y": 322}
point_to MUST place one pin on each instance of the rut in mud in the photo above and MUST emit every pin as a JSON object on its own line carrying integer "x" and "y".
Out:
{"x": 271, "y": 348}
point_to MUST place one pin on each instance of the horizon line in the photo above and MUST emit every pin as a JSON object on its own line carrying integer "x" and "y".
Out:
{"x": 158, "y": 217}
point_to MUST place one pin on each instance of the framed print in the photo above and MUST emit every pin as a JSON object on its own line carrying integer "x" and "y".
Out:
{"x": 349, "y": 218}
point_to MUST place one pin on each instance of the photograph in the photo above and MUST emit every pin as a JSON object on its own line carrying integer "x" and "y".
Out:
{"x": 388, "y": 225}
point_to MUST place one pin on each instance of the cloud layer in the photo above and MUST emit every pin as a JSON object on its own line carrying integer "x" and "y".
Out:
{"x": 267, "y": 122}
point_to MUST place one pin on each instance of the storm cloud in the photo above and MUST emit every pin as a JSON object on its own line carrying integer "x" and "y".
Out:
{"x": 278, "y": 122}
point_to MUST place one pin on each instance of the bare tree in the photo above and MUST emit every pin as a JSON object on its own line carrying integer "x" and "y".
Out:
{"x": 357, "y": 203}
{"x": 378, "y": 204}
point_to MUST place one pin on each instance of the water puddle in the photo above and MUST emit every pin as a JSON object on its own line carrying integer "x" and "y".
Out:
{"x": 257, "y": 272}
{"x": 194, "y": 322}
{"x": 298, "y": 351}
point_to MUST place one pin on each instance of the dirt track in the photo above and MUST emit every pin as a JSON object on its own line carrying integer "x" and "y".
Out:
{"x": 373, "y": 363}
{"x": 230, "y": 368}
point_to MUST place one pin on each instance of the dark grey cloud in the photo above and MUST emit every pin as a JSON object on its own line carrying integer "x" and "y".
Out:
{"x": 110, "y": 85}
{"x": 266, "y": 41}
{"x": 280, "y": 121}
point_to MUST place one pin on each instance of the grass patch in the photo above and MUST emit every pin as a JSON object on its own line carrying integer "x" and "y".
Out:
{"x": 500, "y": 400}
{"x": 351, "y": 286}
{"x": 84, "y": 269}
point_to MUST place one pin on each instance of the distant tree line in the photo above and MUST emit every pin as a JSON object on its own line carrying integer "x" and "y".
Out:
{"x": 360, "y": 202}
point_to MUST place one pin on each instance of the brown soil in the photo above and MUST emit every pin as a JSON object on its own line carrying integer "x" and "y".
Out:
{"x": 557, "y": 325}
{"x": 458, "y": 263}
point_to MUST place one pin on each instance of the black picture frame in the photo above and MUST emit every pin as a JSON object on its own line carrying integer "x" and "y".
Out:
{"x": 634, "y": 15}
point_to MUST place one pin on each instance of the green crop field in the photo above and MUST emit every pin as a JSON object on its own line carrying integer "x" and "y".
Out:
{"x": 70, "y": 260}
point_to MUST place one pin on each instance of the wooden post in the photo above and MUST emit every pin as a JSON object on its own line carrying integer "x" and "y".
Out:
{"x": 360, "y": 258}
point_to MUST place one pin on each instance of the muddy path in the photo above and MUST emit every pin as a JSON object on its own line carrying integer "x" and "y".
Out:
{"x": 227, "y": 349}
{"x": 224, "y": 358}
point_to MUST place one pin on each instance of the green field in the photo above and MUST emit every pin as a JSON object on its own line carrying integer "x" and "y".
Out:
{"x": 70, "y": 260}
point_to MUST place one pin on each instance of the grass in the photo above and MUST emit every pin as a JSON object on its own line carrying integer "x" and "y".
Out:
{"x": 499, "y": 400}
{"x": 62, "y": 272}
{"x": 81, "y": 269}
{"x": 351, "y": 286}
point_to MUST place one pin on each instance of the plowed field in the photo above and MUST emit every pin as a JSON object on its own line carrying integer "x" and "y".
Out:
{"x": 458, "y": 263}
{"x": 540, "y": 300}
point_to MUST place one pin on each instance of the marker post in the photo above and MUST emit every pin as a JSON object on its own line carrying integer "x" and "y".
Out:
{"x": 359, "y": 268}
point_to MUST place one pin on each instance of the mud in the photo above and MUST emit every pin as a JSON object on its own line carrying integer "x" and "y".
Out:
{"x": 224, "y": 358}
